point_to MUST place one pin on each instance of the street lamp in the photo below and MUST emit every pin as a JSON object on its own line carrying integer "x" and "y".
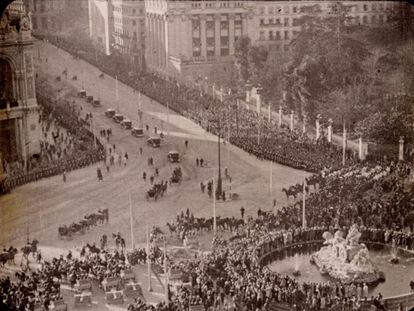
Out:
{"x": 219, "y": 181}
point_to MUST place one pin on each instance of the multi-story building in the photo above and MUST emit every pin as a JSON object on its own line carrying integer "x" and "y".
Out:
{"x": 19, "y": 117}
{"x": 276, "y": 23}
{"x": 193, "y": 38}
{"x": 129, "y": 29}
{"x": 58, "y": 17}
{"x": 101, "y": 24}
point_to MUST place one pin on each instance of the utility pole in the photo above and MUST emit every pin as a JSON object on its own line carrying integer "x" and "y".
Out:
{"x": 219, "y": 185}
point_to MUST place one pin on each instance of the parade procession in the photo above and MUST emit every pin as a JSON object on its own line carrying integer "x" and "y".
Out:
{"x": 171, "y": 155}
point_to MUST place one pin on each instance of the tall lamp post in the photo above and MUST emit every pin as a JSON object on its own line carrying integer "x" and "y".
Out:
{"x": 219, "y": 181}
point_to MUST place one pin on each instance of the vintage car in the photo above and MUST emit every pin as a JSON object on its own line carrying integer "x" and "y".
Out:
{"x": 83, "y": 285}
{"x": 174, "y": 156}
{"x": 89, "y": 99}
{"x": 118, "y": 118}
{"x": 126, "y": 124}
{"x": 137, "y": 132}
{"x": 82, "y": 94}
{"x": 96, "y": 103}
{"x": 110, "y": 283}
{"x": 110, "y": 113}
{"x": 154, "y": 142}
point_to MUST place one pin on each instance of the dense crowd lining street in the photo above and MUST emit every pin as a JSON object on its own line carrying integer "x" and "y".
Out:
{"x": 377, "y": 196}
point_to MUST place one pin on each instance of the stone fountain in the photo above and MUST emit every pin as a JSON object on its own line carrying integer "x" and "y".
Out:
{"x": 346, "y": 259}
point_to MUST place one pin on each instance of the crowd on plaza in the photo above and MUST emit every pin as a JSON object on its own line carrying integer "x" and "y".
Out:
{"x": 375, "y": 196}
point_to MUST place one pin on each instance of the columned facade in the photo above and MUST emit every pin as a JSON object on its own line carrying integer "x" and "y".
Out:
{"x": 190, "y": 40}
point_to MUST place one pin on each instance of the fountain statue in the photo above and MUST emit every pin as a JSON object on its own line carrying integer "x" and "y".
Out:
{"x": 394, "y": 253}
{"x": 346, "y": 259}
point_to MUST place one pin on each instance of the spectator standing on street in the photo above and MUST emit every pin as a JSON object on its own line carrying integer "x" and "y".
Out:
{"x": 99, "y": 174}
{"x": 242, "y": 212}
{"x": 64, "y": 176}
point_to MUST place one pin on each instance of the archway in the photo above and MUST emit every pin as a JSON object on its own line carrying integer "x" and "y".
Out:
{"x": 6, "y": 84}
{"x": 8, "y": 135}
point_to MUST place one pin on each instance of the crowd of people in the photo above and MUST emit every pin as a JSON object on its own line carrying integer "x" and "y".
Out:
{"x": 377, "y": 197}
{"x": 242, "y": 127}
{"x": 66, "y": 144}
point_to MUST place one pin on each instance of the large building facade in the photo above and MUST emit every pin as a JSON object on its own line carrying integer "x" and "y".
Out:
{"x": 58, "y": 17}
{"x": 196, "y": 38}
{"x": 101, "y": 24}
{"x": 19, "y": 117}
{"x": 129, "y": 29}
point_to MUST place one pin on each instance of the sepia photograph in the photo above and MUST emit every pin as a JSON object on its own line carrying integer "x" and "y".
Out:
{"x": 206, "y": 155}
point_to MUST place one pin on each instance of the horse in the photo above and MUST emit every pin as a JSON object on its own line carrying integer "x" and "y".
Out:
{"x": 172, "y": 228}
{"x": 95, "y": 218}
{"x": 119, "y": 241}
{"x": 105, "y": 213}
{"x": 93, "y": 249}
{"x": 289, "y": 192}
{"x": 30, "y": 248}
{"x": 8, "y": 256}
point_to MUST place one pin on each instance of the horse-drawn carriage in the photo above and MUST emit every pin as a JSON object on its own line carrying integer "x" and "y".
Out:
{"x": 157, "y": 190}
{"x": 176, "y": 175}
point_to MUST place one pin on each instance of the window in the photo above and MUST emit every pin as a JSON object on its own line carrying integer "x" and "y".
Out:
{"x": 277, "y": 35}
{"x": 295, "y": 22}
{"x": 261, "y": 22}
{"x": 134, "y": 23}
{"x": 224, "y": 51}
{"x": 374, "y": 19}
{"x": 270, "y": 10}
{"x": 271, "y": 21}
{"x": 210, "y": 42}
{"x": 381, "y": 6}
{"x": 365, "y": 7}
{"x": 224, "y": 25}
{"x": 286, "y": 9}
{"x": 210, "y": 52}
{"x": 210, "y": 25}
{"x": 278, "y": 10}
{"x": 44, "y": 22}
{"x": 224, "y": 41}
{"x": 381, "y": 19}
{"x": 196, "y": 43}
{"x": 262, "y": 10}
{"x": 286, "y": 35}
{"x": 365, "y": 19}
{"x": 261, "y": 35}
{"x": 295, "y": 9}
{"x": 286, "y": 22}
{"x": 270, "y": 34}
{"x": 374, "y": 6}
{"x": 196, "y": 25}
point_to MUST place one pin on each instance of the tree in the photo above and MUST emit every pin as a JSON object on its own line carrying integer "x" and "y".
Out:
{"x": 241, "y": 52}
{"x": 327, "y": 56}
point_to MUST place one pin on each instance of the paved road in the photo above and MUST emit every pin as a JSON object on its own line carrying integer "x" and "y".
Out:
{"x": 37, "y": 209}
